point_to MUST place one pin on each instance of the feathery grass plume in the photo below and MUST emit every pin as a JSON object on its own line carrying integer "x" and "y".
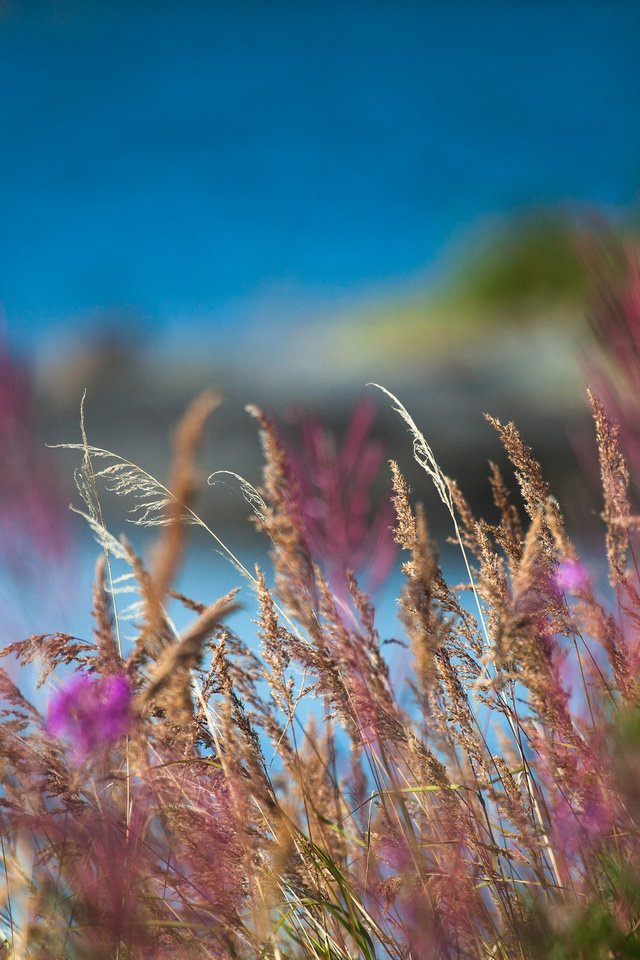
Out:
{"x": 528, "y": 645}
{"x": 37, "y": 556}
{"x": 535, "y": 490}
{"x": 343, "y": 655}
{"x": 590, "y": 619}
{"x": 293, "y": 799}
{"x": 508, "y": 533}
{"x": 51, "y": 650}
{"x": 154, "y": 504}
{"x": 280, "y": 519}
{"x": 172, "y": 513}
{"x": 484, "y": 542}
{"x": 112, "y": 867}
{"x": 613, "y": 312}
{"x": 170, "y": 673}
{"x": 183, "y": 484}
{"x": 535, "y": 600}
{"x": 615, "y": 488}
{"x": 420, "y": 619}
{"x": 346, "y": 527}
{"x": 32, "y": 493}
{"x": 423, "y": 455}
{"x": 430, "y": 612}
{"x": 154, "y": 910}
{"x": 104, "y": 629}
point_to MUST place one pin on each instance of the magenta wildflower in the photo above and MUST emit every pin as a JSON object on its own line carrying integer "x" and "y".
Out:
{"x": 91, "y": 713}
{"x": 572, "y": 576}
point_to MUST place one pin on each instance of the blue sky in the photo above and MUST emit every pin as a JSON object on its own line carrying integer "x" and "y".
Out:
{"x": 188, "y": 162}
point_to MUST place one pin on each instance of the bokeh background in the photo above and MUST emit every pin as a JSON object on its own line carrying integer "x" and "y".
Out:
{"x": 286, "y": 201}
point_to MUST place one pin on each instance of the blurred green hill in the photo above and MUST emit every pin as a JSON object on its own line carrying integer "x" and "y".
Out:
{"x": 500, "y": 329}
{"x": 519, "y": 273}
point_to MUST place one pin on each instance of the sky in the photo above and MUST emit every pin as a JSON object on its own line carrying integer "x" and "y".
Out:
{"x": 208, "y": 165}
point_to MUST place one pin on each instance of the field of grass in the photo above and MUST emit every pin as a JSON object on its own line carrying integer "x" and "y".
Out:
{"x": 204, "y": 794}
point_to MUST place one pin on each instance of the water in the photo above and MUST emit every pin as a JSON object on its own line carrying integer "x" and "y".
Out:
{"x": 205, "y": 575}
{"x": 203, "y": 165}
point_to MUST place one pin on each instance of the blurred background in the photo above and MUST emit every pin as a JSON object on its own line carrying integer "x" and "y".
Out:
{"x": 286, "y": 201}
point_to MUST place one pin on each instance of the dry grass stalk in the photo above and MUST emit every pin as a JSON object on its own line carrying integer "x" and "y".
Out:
{"x": 291, "y": 801}
{"x": 171, "y": 673}
{"x": 183, "y": 484}
{"x": 615, "y": 487}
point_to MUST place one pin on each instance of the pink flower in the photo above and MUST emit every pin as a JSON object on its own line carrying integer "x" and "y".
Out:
{"x": 571, "y": 576}
{"x": 91, "y": 713}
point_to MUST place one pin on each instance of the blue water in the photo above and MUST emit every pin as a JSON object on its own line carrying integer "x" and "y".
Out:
{"x": 188, "y": 161}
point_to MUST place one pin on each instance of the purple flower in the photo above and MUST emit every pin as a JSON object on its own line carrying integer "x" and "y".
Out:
{"x": 91, "y": 713}
{"x": 571, "y": 576}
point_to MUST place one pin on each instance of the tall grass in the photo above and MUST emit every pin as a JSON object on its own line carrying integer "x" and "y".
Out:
{"x": 206, "y": 795}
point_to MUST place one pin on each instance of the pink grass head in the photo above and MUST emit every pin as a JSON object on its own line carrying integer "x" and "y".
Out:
{"x": 91, "y": 713}
{"x": 33, "y": 502}
{"x": 37, "y": 556}
{"x": 613, "y": 364}
{"x": 347, "y": 527}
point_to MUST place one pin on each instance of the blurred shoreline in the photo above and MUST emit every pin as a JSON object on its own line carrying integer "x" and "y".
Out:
{"x": 134, "y": 399}
{"x": 505, "y": 334}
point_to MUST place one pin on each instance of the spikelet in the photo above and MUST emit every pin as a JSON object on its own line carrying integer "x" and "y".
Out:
{"x": 171, "y": 674}
{"x": 615, "y": 487}
{"x": 536, "y": 492}
{"x": 104, "y": 632}
{"x": 274, "y": 639}
{"x": 183, "y": 484}
{"x": 51, "y": 650}
{"x": 424, "y": 456}
{"x": 509, "y": 533}
{"x": 281, "y": 521}
{"x": 424, "y": 628}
